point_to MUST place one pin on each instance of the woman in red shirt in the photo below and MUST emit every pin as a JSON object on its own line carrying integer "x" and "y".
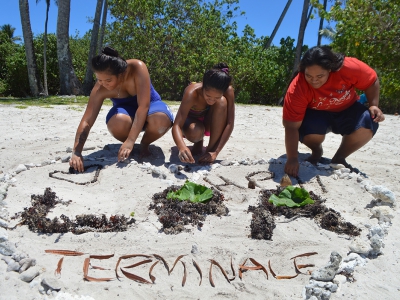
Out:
{"x": 322, "y": 99}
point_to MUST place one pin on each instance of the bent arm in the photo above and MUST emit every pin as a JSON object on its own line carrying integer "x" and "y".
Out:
{"x": 230, "y": 122}
{"x": 89, "y": 117}
{"x": 372, "y": 94}
{"x": 181, "y": 116}
{"x": 292, "y": 144}
{"x": 142, "y": 82}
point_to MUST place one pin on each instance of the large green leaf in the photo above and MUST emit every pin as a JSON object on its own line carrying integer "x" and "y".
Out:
{"x": 292, "y": 197}
{"x": 192, "y": 192}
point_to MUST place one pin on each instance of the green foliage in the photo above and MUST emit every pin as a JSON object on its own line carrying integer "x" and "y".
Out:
{"x": 13, "y": 70}
{"x": 292, "y": 197}
{"x": 179, "y": 40}
{"x": 370, "y": 31}
{"x": 192, "y": 192}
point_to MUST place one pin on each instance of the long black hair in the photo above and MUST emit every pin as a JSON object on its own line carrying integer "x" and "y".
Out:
{"x": 322, "y": 56}
{"x": 218, "y": 77}
{"x": 109, "y": 61}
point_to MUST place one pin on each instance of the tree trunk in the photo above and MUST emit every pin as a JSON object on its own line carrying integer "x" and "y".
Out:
{"x": 69, "y": 83}
{"x": 46, "y": 90}
{"x": 35, "y": 84}
{"x": 102, "y": 27}
{"x": 321, "y": 25}
{"x": 88, "y": 83}
{"x": 278, "y": 24}
{"x": 302, "y": 29}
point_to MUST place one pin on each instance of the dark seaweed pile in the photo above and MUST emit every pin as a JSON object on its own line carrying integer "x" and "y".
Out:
{"x": 35, "y": 218}
{"x": 175, "y": 214}
{"x": 262, "y": 223}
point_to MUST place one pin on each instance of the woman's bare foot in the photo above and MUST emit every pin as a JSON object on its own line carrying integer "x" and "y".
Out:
{"x": 197, "y": 148}
{"x": 315, "y": 156}
{"x": 340, "y": 160}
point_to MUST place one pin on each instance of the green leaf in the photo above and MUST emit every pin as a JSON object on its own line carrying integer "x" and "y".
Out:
{"x": 192, "y": 192}
{"x": 292, "y": 197}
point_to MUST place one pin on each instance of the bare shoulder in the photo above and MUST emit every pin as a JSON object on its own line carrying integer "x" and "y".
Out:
{"x": 192, "y": 89}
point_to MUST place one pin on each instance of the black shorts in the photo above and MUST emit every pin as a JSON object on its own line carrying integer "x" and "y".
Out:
{"x": 344, "y": 122}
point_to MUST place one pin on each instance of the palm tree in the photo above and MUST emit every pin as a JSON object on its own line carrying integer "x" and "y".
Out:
{"x": 35, "y": 84}
{"x": 9, "y": 30}
{"x": 69, "y": 83}
{"x": 278, "y": 24}
{"x": 103, "y": 26}
{"x": 302, "y": 29}
{"x": 321, "y": 25}
{"x": 88, "y": 82}
{"x": 46, "y": 91}
{"x": 328, "y": 32}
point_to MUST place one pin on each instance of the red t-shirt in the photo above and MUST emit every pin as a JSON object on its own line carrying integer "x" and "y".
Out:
{"x": 337, "y": 94}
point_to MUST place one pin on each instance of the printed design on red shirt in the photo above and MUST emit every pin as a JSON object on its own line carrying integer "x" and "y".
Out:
{"x": 341, "y": 100}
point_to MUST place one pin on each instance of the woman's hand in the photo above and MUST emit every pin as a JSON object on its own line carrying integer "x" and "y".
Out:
{"x": 125, "y": 150}
{"x": 292, "y": 167}
{"x": 76, "y": 162}
{"x": 376, "y": 114}
{"x": 208, "y": 158}
{"x": 186, "y": 156}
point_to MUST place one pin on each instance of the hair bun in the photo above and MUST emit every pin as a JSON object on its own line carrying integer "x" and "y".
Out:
{"x": 110, "y": 51}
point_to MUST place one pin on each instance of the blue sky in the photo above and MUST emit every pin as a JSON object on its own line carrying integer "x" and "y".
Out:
{"x": 261, "y": 15}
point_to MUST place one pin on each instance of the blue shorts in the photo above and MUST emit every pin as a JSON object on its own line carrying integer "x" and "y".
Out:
{"x": 131, "y": 108}
{"x": 344, "y": 122}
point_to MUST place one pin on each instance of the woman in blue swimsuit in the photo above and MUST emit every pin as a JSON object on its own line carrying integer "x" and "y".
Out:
{"x": 136, "y": 106}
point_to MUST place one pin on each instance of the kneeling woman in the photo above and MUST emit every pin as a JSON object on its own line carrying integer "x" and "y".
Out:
{"x": 207, "y": 109}
{"x": 136, "y": 106}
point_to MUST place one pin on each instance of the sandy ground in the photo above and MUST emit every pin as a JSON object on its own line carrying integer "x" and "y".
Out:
{"x": 40, "y": 137}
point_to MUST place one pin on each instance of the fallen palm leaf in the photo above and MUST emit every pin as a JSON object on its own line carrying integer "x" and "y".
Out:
{"x": 126, "y": 257}
{"x": 163, "y": 260}
{"x": 86, "y": 270}
{"x": 233, "y": 269}
{"x": 305, "y": 266}
{"x": 135, "y": 277}
{"x": 259, "y": 265}
{"x": 250, "y": 267}
{"x": 57, "y": 272}
{"x": 297, "y": 268}
{"x": 305, "y": 254}
{"x": 198, "y": 270}
{"x": 101, "y": 256}
{"x": 151, "y": 269}
{"x": 240, "y": 269}
{"x": 222, "y": 269}
{"x": 270, "y": 269}
{"x": 64, "y": 252}
{"x": 184, "y": 273}
{"x": 210, "y": 276}
{"x": 286, "y": 277}
{"x": 139, "y": 263}
{"x": 176, "y": 260}
{"x": 280, "y": 276}
{"x": 99, "y": 268}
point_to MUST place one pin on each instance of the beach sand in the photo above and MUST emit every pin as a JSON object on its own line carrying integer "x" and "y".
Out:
{"x": 41, "y": 138}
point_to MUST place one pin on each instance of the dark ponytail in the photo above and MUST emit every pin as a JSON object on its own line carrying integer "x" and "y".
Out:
{"x": 109, "y": 61}
{"x": 217, "y": 78}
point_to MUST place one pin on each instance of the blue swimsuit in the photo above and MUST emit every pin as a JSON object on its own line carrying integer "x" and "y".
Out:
{"x": 129, "y": 105}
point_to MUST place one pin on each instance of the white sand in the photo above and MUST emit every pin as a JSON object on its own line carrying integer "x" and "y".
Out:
{"x": 36, "y": 135}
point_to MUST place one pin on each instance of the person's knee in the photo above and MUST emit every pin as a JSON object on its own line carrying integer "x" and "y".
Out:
{"x": 158, "y": 123}
{"x": 313, "y": 140}
{"x": 194, "y": 132}
{"x": 221, "y": 105}
{"x": 119, "y": 126}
